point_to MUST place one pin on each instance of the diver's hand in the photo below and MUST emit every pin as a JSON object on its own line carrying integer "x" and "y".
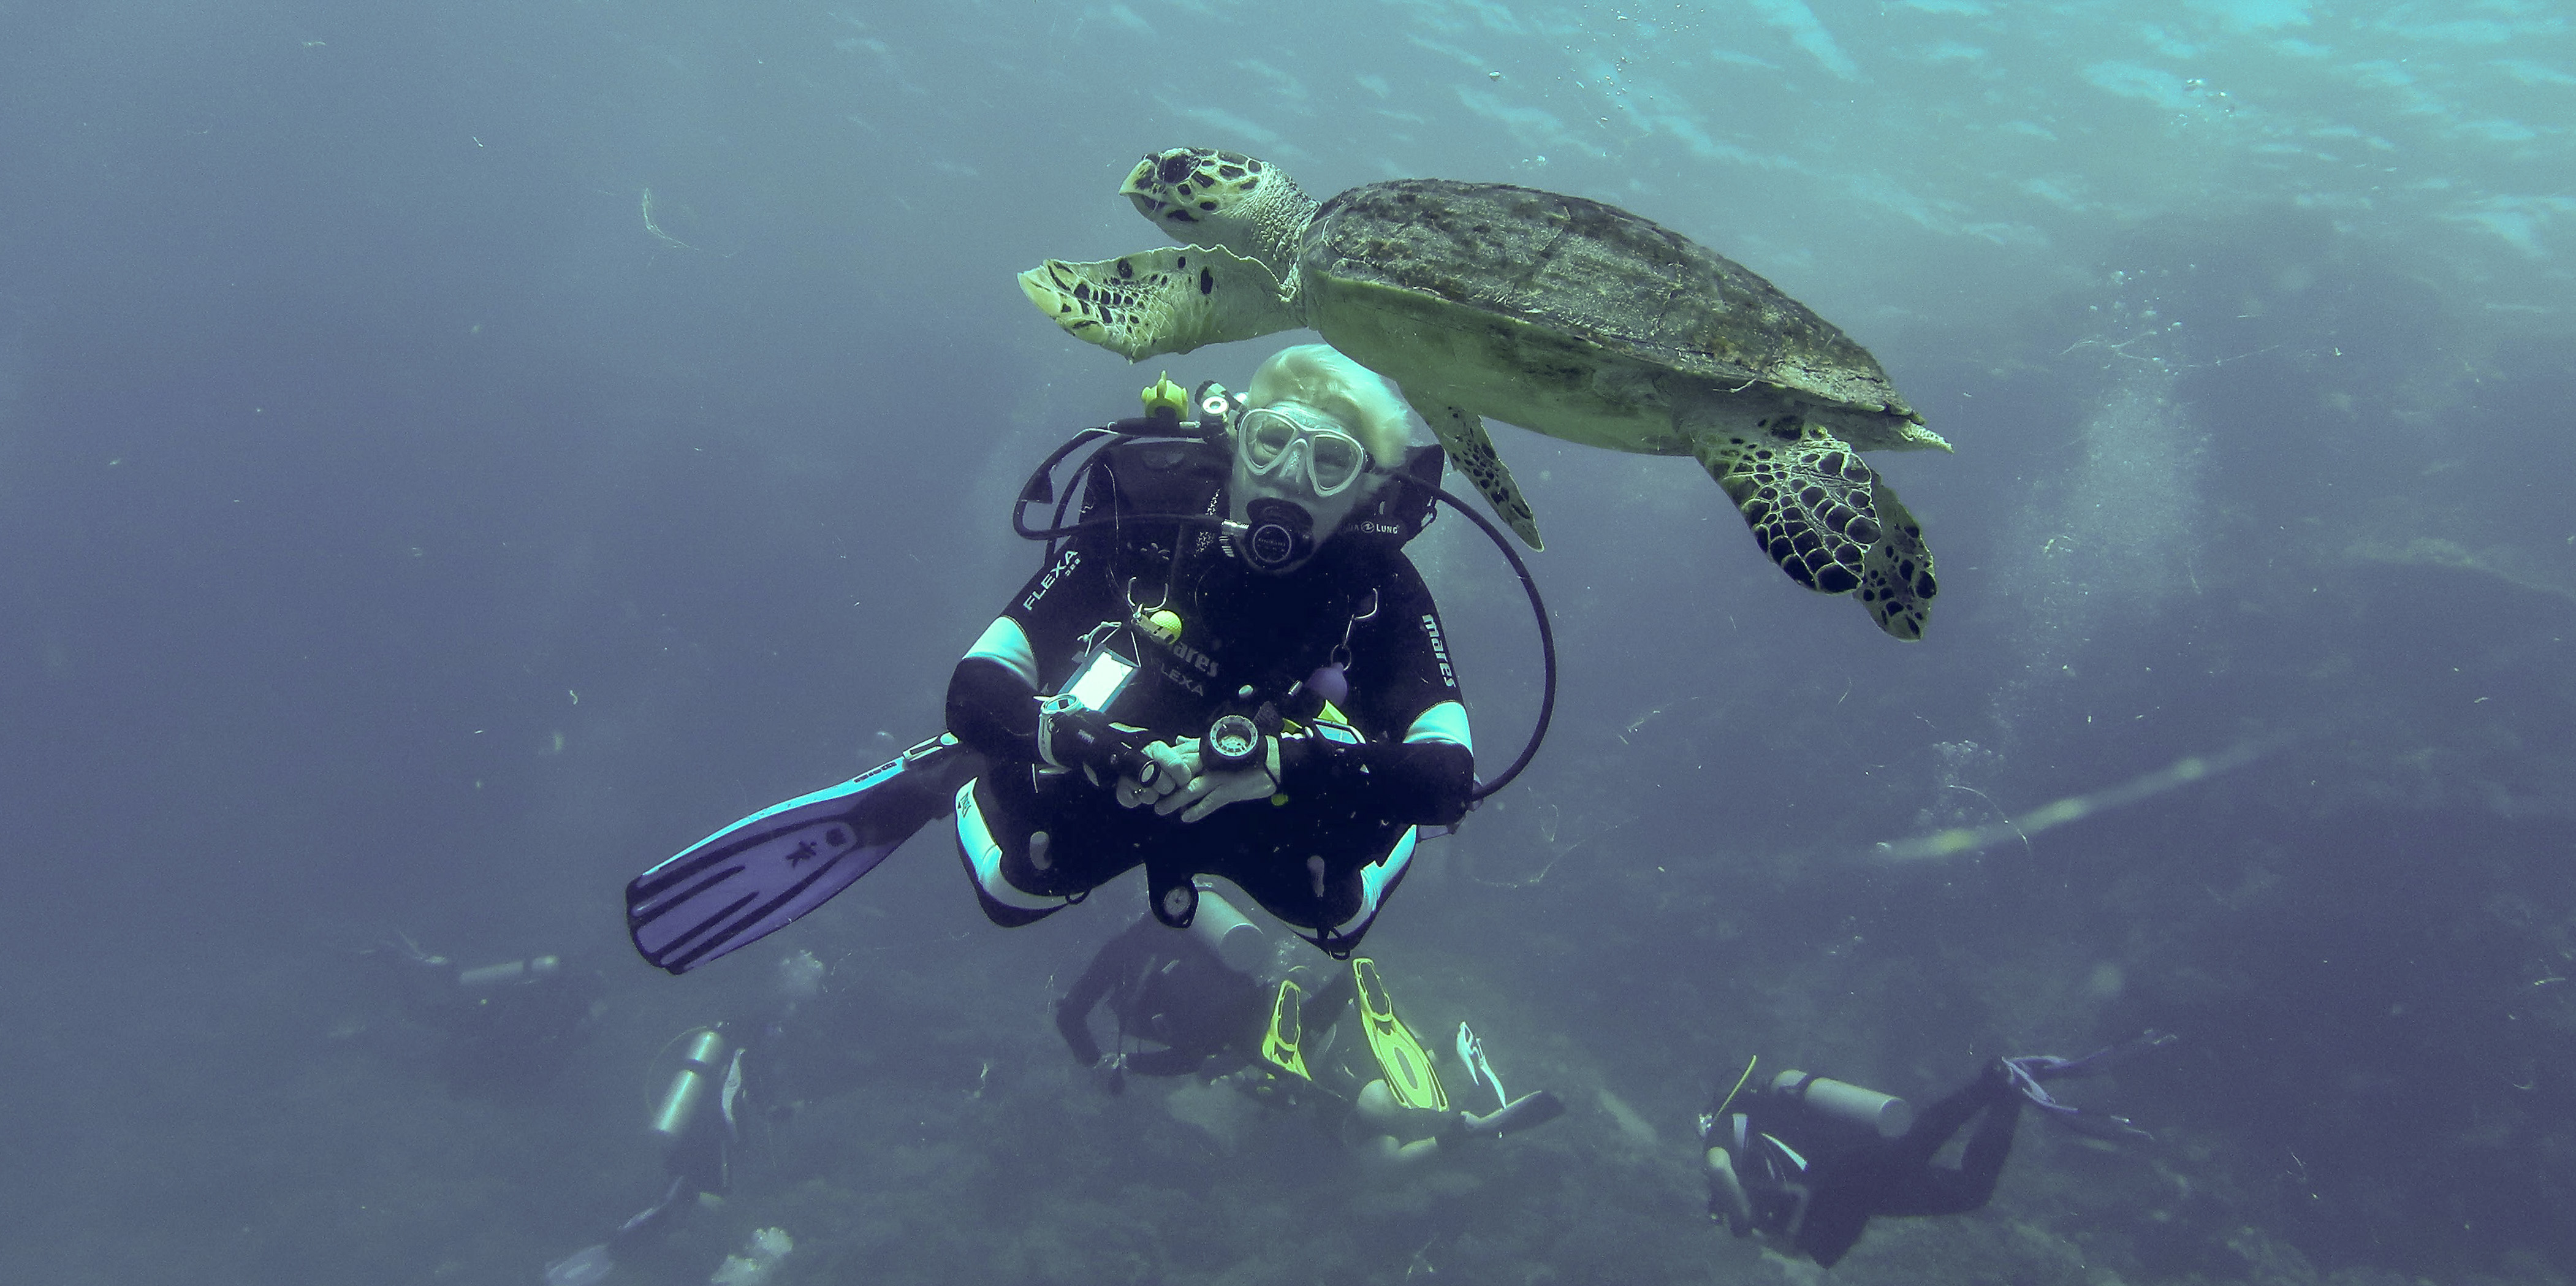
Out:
{"x": 1110, "y": 1073}
{"x": 1207, "y": 792}
{"x": 1172, "y": 765}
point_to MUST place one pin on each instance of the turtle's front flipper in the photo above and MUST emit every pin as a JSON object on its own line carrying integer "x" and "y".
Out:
{"x": 1805, "y": 494}
{"x": 1168, "y": 300}
{"x": 1896, "y": 582}
{"x": 1462, "y": 435}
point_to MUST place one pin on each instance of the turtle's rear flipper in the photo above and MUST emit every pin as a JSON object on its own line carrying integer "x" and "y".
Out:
{"x": 1168, "y": 300}
{"x": 1462, "y": 435}
{"x": 1805, "y": 494}
{"x": 1896, "y": 582}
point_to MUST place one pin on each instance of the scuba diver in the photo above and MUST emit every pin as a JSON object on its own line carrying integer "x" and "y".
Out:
{"x": 1225, "y": 665}
{"x": 505, "y": 1027}
{"x": 697, "y": 1122}
{"x": 1266, "y": 697}
{"x": 1198, "y": 1003}
{"x": 1808, "y": 1161}
{"x": 1197, "y": 996}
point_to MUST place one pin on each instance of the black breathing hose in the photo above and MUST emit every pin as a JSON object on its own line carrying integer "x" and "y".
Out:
{"x": 1546, "y": 644}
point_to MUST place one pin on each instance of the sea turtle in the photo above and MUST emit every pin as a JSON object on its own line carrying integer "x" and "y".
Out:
{"x": 1567, "y": 316}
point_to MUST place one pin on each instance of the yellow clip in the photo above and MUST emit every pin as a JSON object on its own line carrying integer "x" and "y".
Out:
{"x": 1163, "y": 625}
{"x": 1165, "y": 399}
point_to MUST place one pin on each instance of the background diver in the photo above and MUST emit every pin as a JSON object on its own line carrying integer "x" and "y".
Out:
{"x": 1808, "y": 1161}
{"x": 1268, "y": 700}
{"x": 1211, "y": 1002}
{"x": 504, "y": 1027}
{"x": 510, "y": 1025}
{"x": 697, "y": 1123}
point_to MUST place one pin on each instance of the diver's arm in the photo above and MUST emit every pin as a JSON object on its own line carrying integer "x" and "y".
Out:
{"x": 1420, "y": 783}
{"x": 992, "y": 695}
{"x": 992, "y": 708}
{"x": 1073, "y": 1012}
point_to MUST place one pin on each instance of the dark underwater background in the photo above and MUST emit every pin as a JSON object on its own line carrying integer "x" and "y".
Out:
{"x": 452, "y": 456}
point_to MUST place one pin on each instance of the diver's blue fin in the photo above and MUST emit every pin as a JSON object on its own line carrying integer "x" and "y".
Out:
{"x": 758, "y": 875}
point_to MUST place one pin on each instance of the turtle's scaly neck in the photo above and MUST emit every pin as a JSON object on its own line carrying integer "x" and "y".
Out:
{"x": 1278, "y": 227}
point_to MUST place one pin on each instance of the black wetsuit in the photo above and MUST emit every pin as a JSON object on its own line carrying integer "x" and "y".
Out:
{"x": 1851, "y": 1175}
{"x": 1170, "y": 989}
{"x": 1167, "y": 988}
{"x": 1345, "y": 804}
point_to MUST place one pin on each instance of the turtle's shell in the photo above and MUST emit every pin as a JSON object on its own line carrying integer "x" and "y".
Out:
{"x": 1564, "y": 315}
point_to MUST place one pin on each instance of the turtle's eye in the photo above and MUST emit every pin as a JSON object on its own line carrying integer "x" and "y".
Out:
{"x": 1175, "y": 168}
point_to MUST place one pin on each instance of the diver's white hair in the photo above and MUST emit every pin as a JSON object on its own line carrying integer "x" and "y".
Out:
{"x": 1317, "y": 376}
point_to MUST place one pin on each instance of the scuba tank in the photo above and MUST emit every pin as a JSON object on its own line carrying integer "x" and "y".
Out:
{"x": 1887, "y": 1114}
{"x": 1223, "y": 930}
{"x": 508, "y": 973}
{"x": 702, "y": 1069}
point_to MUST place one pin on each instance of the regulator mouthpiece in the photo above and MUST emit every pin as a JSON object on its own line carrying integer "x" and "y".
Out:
{"x": 1276, "y": 536}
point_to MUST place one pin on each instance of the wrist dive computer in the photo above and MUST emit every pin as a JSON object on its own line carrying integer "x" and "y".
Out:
{"x": 1233, "y": 742}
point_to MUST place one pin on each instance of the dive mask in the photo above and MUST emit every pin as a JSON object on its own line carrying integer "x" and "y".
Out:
{"x": 1296, "y": 477}
{"x": 1280, "y": 442}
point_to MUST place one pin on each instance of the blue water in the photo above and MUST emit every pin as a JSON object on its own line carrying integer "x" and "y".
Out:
{"x": 452, "y": 457}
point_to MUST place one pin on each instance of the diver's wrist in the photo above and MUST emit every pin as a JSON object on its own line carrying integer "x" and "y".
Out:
{"x": 1292, "y": 751}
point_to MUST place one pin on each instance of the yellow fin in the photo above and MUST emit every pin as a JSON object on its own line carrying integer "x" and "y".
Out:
{"x": 1410, "y": 1075}
{"x": 1281, "y": 1045}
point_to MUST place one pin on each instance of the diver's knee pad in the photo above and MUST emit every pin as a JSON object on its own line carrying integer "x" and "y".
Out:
{"x": 1003, "y": 903}
{"x": 1377, "y": 882}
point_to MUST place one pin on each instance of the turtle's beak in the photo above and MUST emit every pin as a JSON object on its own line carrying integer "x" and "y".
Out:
{"x": 1139, "y": 188}
{"x": 1145, "y": 187}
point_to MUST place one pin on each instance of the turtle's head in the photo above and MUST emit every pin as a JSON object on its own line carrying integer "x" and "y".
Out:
{"x": 1202, "y": 196}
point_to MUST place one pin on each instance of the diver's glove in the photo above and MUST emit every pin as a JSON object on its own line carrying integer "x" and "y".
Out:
{"x": 1172, "y": 765}
{"x": 1209, "y": 791}
{"x": 1111, "y": 1072}
{"x": 1075, "y": 739}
